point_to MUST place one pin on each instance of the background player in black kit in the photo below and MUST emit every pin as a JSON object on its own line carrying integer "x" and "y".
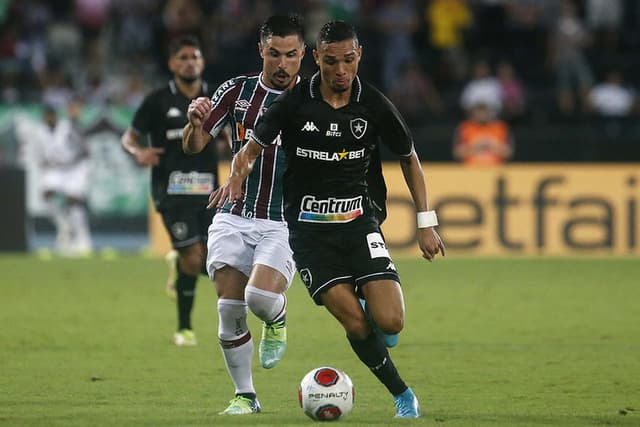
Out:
{"x": 180, "y": 183}
{"x": 330, "y": 125}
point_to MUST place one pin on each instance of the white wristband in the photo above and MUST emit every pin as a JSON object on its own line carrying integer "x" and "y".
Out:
{"x": 427, "y": 219}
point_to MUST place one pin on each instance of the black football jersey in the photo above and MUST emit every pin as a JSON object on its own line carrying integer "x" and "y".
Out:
{"x": 179, "y": 178}
{"x": 329, "y": 152}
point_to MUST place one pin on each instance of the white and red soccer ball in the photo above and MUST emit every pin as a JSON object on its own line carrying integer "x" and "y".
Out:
{"x": 326, "y": 394}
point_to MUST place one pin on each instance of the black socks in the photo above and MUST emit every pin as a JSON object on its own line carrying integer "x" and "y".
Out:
{"x": 185, "y": 290}
{"x": 373, "y": 353}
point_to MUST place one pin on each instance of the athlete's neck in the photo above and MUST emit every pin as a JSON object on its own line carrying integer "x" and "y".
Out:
{"x": 333, "y": 98}
{"x": 189, "y": 89}
{"x": 267, "y": 83}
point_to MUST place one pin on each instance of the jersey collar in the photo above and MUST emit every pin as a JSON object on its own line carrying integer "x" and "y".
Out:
{"x": 314, "y": 88}
{"x": 270, "y": 89}
{"x": 204, "y": 87}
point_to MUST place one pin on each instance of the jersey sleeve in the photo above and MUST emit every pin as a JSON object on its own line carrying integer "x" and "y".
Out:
{"x": 271, "y": 122}
{"x": 143, "y": 118}
{"x": 394, "y": 132}
{"x": 222, "y": 103}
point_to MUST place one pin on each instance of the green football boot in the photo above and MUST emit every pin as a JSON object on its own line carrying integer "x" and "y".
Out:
{"x": 273, "y": 343}
{"x": 185, "y": 338}
{"x": 241, "y": 405}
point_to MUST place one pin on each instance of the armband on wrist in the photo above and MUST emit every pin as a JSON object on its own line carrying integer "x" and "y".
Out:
{"x": 427, "y": 219}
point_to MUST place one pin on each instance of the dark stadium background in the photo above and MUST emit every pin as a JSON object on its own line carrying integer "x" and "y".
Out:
{"x": 112, "y": 52}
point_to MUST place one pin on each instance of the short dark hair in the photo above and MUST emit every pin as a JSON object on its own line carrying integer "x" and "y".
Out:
{"x": 337, "y": 31}
{"x": 178, "y": 44}
{"x": 282, "y": 26}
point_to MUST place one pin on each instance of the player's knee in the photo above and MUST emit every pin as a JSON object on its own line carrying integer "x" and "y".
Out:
{"x": 264, "y": 304}
{"x": 391, "y": 324}
{"x": 356, "y": 327}
{"x": 191, "y": 262}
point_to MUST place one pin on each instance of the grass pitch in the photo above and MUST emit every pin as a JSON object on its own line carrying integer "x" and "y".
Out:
{"x": 520, "y": 342}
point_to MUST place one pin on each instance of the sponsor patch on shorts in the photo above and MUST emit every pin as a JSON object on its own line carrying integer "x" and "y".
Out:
{"x": 377, "y": 246}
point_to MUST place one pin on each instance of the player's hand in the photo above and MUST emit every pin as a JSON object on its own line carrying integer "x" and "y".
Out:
{"x": 149, "y": 156}
{"x": 230, "y": 190}
{"x": 430, "y": 243}
{"x": 198, "y": 111}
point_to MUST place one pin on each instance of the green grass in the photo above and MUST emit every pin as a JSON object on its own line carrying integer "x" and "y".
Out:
{"x": 520, "y": 342}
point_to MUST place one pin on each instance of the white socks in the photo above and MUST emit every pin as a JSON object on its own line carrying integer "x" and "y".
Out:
{"x": 73, "y": 236}
{"x": 267, "y": 305}
{"x": 78, "y": 218}
{"x": 233, "y": 332}
{"x": 61, "y": 220}
{"x": 236, "y": 343}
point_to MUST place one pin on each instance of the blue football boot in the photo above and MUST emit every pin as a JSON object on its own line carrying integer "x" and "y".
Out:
{"x": 407, "y": 405}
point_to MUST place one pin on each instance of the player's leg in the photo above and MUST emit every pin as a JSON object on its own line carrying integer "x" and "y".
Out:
{"x": 185, "y": 234}
{"x": 171, "y": 258}
{"x": 76, "y": 189}
{"x": 58, "y": 214}
{"x": 271, "y": 275}
{"x": 343, "y": 304}
{"x": 377, "y": 281}
{"x": 79, "y": 223}
{"x": 188, "y": 268}
{"x": 205, "y": 218}
{"x": 384, "y": 305}
{"x": 375, "y": 263}
{"x": 229, "y": 264}
{"x": 53, "y": 184}
{"x": 235, "y": 339}
{"x": 266, "y": 299}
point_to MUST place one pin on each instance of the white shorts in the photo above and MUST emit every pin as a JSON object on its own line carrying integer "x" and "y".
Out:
{"x": 72, "y": 181}
{"x": 241, "y": 243}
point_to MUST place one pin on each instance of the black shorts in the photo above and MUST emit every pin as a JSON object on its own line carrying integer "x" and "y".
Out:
{"x": 187, "y": 224}
{"x": 325, "y": 259}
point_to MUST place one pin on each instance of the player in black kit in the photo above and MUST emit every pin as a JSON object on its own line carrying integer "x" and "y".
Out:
{"x": 330, "y": 124}
{"x": 180, "y": 183}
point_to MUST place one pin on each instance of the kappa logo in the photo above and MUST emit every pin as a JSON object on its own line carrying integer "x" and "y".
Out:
{"x": 173, "y": 112}
{"x": 358, "y": 127}
{"x": 310, "y": 127}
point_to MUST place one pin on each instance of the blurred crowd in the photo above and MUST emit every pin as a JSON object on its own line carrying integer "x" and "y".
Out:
{"x": 540, "y": 60}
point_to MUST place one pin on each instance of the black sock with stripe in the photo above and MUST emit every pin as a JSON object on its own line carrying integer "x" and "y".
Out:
{"x": 185, "y": 290}
{"x": 373, "y": 353}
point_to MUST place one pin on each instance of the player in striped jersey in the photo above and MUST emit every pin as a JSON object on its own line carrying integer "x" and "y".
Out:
{"x": 249, "y": 257}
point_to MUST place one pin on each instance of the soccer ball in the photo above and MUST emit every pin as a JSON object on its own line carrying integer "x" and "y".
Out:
{"x": 326, "y": 394}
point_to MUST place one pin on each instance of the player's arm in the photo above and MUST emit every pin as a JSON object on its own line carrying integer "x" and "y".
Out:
{"x": 428, "y": 239}
{"x": 145, "y": 156}
{"x": 265, "y": 132}
{"x": 241, "y": 167}
{"x": 396, "y": 135}
{"x": 194, "y": 137}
